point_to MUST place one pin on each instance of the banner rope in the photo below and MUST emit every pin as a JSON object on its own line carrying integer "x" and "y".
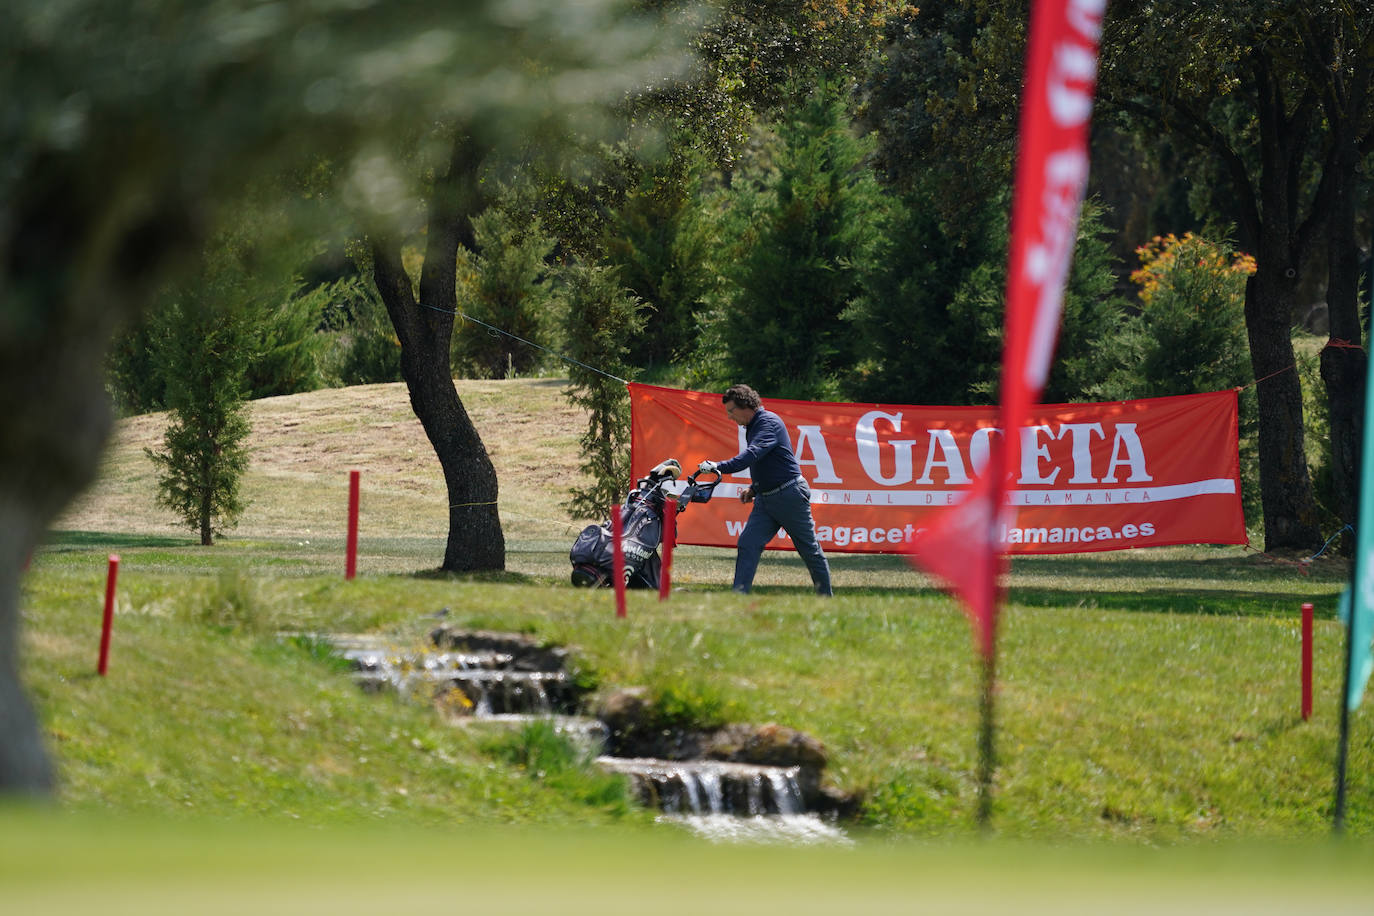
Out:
{"x": 1340, "y": 343}
{"x": 1305, "y": 562}
{"x": 493, "y": 328}
{"x": 1334, "y": 343}
{"x": 1291, "y": 366}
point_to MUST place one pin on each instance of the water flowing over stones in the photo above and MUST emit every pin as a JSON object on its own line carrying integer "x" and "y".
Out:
{"x": 710, "y": 786}
{"x": 738, "y": 783}
{"x": 490, "y": 682}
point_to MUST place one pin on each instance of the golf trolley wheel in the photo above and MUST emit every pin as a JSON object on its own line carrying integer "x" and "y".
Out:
{"x": 584, "y": 576}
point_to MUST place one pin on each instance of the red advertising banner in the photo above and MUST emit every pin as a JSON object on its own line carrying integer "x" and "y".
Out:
{"x": 1090, "y": 476}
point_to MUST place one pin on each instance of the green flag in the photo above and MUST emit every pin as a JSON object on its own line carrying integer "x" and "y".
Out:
{"x": 1359, "y": 597}
{"x": 1361, "y": 631}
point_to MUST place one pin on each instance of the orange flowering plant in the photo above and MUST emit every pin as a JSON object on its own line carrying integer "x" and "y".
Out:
{"x": 1168, "y": 262}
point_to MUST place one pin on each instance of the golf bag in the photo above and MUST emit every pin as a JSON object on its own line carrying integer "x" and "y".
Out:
{"x": 641, "y": 519}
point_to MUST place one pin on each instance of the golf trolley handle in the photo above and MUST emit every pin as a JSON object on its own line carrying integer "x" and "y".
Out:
{"x": 697, "y": 492}
{"x": 692, "y": 478}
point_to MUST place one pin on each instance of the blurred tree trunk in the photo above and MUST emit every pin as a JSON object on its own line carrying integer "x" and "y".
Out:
{"x": 424, "y": 326}
{"x": 1344, "y": 362}
{"x": 1339, "y": 49}
{"x": 54, "y": 333}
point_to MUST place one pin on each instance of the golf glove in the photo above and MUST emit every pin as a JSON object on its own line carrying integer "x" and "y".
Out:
{"x": 707, "y": 466}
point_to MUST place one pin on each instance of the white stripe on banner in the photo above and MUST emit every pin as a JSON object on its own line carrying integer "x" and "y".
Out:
{"x": 1080, "y": 497}
{"x": 1084, "y": 497}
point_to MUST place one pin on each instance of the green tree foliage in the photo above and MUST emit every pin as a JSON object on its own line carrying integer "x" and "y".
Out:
{"x": 1189, "y": 336}
{"x": 922, "y": 338}
{"x": 660, "y": 238}
{"x": 135, "y": 384}
{"x": 1277, "y": 98}
{"x": 371, "y": 352}
{"x": 1091, "y": 312}
{"x": 284, "y": 341}
{"x": 259, "y": 247}
{"x": 930, "y": 318}
{"x": 128, "y": 125}
{"x": 751, "y": 61}
{"x": 818, "y": 223}
{"x": 943, "y": 100}
{"x": 509, "y": 286}
{"x": 757, "y": 58}
{"x": 602, "y": 316}
{"x": 203, "y": 354}
{"x": 281, "y": 334}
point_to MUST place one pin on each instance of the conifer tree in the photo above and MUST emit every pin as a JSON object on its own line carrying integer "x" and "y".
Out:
{"x": 930, "y": 318}
{"x": 818, "y": 224}
{"x": 506, "y": 284}
{"x": 601, "y": 318}
{"x": 204, "y": 355}
{"x": 661, "y": 240}
{"x": 915, "y": 346}
{"x": 1189, "y": 336}
{"x": 210, "y": 333}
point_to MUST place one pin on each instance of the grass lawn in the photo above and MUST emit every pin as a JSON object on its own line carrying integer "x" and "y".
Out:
{"x": 1147, "y": 699}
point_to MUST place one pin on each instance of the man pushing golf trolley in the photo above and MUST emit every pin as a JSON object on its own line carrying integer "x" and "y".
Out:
{"x": 642, "y": 518}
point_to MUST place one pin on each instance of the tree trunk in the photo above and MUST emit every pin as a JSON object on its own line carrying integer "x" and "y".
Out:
{"x": 1290, "y": 511}
{"x": 71, "y": 275}
{"x": 1343, "y": 360}
{"x": 1280, "y": 238}
{"x": 57, "y": 418}
{"x": 24, "y": 767}
{"x": 425, "y": 328}
{"x": 207, "y": 534}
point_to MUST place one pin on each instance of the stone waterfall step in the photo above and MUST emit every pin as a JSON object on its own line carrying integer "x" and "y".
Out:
{"x": 486, "y": 679}
{"x": 728, "y": 802}
{"x": 510, "y": 680}
{"x": 710, "y": 786}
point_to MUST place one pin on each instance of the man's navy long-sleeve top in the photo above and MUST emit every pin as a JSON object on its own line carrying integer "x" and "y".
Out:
{"x": 767, "y": 452}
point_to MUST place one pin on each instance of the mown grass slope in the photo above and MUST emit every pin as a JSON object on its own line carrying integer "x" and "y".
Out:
{"x": 1148, "y": 696}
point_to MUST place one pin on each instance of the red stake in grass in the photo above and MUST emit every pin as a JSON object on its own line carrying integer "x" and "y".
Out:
{"x": 617, "y": 561}
{"x": 669, "y": 540}
{"x": 108, "y": 622}
{"x": 1306, "y": 662}
{"x": 351, "y": 561}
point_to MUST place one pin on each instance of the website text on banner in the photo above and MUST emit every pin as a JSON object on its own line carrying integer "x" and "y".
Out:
{"x": 1091, "y": 476}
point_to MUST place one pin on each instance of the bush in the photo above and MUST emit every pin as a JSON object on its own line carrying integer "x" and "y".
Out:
{"x": 1189, "y": 336}
{"x": 202, "y": 355}
{"x": 371, "y": 352}
{"x": 507, "y": 286}
{"x": 287, "y": 350}
{"x": 819, "y": 223}
{"x": 601, "y": 318}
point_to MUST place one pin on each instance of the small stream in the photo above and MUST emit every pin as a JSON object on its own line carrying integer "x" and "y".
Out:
{"x": 507, "y": 680}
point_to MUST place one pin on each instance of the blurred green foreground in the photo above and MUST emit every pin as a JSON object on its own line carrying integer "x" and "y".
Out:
{"x": 58, "y": 864}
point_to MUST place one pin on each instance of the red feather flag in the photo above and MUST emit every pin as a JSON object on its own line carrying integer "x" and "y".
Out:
{"x": 962, "y": 548}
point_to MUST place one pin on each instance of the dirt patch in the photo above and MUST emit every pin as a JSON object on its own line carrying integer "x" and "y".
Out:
{"x": 303, "y": 447}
